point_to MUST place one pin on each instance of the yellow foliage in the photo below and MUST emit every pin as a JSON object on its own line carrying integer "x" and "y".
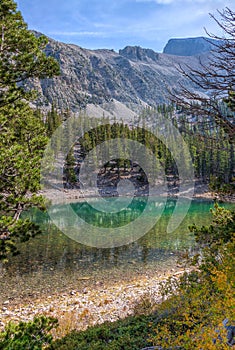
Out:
{"x": 196, "y": 313}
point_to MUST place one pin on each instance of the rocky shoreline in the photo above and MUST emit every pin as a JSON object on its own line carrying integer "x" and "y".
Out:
{"x": 81, "y": 309}
{"x": 217, "y": 197}
{"x": 61, "y": 195}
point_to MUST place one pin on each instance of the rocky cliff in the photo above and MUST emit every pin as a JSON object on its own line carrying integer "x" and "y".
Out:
{"x": 189, "y": 46}
{"x": 106, "y": 80}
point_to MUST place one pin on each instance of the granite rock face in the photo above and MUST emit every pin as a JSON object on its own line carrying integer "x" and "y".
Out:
{"x": 189, "y": 46}
{"x": 133, "y": 77}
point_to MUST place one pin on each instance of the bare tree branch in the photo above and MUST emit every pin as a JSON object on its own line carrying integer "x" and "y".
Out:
{"x": 215, "y": 78}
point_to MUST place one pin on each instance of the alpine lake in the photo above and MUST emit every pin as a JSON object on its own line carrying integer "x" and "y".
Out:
{"x": 53, "y": 263}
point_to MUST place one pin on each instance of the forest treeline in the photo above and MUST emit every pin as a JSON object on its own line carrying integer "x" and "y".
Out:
{"x": 211, "y": 152}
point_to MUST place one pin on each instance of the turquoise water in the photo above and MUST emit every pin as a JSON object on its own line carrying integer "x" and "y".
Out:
{"x": 53, "y": 262}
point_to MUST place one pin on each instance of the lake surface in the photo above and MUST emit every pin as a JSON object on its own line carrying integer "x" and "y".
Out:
{"x": 54, "y": 263}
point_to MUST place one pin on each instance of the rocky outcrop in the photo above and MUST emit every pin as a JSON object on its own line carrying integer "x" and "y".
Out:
{"x": 189, "y": 46}
{"x": 137, "y": 53}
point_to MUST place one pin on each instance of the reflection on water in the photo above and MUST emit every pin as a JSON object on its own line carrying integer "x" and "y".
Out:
{"x": 107, "y": 224}
{"x": 52, "y": 261}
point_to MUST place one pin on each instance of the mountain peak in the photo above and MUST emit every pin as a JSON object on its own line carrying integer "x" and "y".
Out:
{"x": 189, "y": 46}
{"x": 137, "y": 53}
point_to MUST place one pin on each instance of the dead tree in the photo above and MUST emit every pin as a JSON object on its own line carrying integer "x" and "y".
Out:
{"x": 215, "y": 79}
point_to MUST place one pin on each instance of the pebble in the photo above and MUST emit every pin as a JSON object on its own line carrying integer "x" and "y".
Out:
{"x": 91, "y": 306}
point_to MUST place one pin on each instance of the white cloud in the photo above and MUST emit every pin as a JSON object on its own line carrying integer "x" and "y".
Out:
{"x": 162, "y": 1}
{"x": 79, "y": 33}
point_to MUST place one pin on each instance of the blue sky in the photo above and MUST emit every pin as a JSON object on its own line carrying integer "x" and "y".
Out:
{"x": 114, "y": 24}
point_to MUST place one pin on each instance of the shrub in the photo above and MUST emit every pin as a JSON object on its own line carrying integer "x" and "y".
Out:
{"x": 32, "y": 335}
{"x": 128, "y": 334}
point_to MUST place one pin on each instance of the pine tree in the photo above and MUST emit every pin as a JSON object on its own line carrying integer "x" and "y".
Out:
{"x": 22, "y": 132}
{"x": 21, "y": 55}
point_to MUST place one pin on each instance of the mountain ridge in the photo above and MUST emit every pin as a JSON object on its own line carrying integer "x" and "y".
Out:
{"x": 133, "y": 77}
